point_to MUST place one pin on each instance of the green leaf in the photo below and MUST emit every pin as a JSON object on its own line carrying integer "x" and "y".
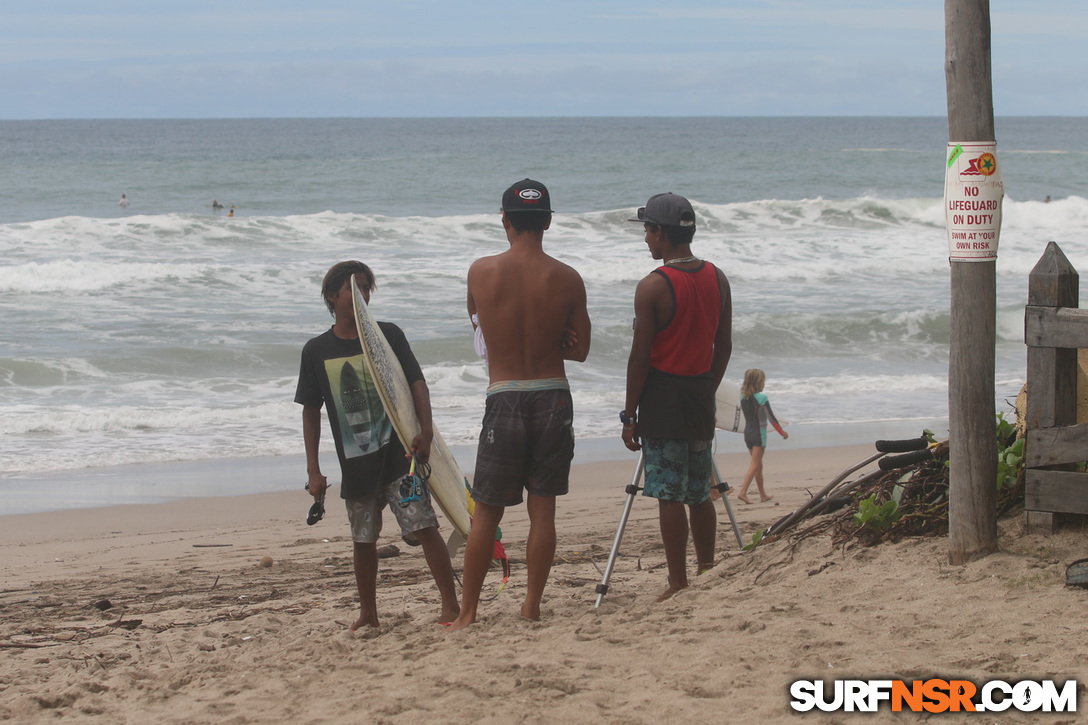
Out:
{"x": 877, "y": 517}
{"x": 756, "y": 538}
{"x": 1010, "y": 459}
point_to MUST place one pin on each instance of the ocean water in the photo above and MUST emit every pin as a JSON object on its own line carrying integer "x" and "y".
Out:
{"x": 169, "y": 332}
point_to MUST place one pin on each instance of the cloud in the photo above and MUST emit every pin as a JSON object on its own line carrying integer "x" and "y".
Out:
{"x": 596, "y": 57}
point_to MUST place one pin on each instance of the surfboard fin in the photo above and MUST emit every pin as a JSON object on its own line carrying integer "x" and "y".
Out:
{"x": 455, "y": 542}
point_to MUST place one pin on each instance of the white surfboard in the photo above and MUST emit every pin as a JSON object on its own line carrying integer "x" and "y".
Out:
{"x": 447, "y": 483}
{"x": 728, "y": 414}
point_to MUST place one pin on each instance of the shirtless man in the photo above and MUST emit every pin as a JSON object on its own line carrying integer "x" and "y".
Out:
{"x": 531, "y": 309}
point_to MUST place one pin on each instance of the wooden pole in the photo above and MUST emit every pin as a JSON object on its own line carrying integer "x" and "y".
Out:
{"x": 972, "y": 497}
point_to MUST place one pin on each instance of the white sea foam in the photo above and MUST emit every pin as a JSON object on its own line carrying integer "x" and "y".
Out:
{"x": 179, "y": 334}
{"x": 851, "y": 384}
{"x": 72, "y": 275}
{"x": 182, "y": 335}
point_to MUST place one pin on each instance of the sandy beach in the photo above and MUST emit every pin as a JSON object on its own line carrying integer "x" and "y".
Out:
{"x": 165, "y": 613}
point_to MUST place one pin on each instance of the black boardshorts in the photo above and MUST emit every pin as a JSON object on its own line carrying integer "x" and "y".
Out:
{"x": 526, "y": 444}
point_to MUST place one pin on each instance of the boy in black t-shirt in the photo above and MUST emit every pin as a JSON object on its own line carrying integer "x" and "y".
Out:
{"x": 372, "y": 459}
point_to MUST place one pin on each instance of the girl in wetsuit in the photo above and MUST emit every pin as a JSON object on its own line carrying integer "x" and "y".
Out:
{"x": 757, "y": 413}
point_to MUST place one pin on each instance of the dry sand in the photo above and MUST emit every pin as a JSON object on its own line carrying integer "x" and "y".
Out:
{"x": 198, "y": 631}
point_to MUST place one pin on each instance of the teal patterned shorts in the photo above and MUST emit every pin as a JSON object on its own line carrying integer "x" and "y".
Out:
{"x": 677, "y": 470}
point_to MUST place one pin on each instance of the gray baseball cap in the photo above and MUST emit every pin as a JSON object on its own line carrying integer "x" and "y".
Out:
{"x": 668, "y": 209}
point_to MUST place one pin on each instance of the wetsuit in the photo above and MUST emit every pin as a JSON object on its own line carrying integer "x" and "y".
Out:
{"x": 757, "y": 413}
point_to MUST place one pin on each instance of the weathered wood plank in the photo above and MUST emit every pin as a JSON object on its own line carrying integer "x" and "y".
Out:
{"x": 1055, "y": 491}
{"x": 1053, "y": 329}
{"x": 1043, "y": 388}
{"x": 1039, "y": 522}
{"x": 1054, "y": 282}
{"x": 1052, "y": 387}
{"x": 1056, "y": 446}
{"x": 1065, "y": 327}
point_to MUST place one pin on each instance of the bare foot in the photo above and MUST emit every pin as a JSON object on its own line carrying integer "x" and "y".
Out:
{"x": 449, "y": 614}
{"x": 460, "y": 623}
{"x": 669, "y": 592}
{"x": 742, "y": 498}
{"x": 704, "y": 568}
{"x": 365, "y": 620}
{"x": 765, "y": 499}
{"x": 530, "y": 611}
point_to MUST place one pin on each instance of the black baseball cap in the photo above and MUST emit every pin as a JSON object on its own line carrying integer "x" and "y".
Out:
{"x": 527, "y": 195}
{"x": 668, "y": 209}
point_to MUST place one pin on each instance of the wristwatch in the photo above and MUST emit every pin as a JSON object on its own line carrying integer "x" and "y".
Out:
{"x": 625, "y": 420}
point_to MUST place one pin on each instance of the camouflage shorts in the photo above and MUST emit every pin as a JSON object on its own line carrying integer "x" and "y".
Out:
{"x": 677, "y": 470}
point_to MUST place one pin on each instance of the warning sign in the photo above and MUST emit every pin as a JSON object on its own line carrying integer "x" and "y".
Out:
{"x": 973, "y": 190}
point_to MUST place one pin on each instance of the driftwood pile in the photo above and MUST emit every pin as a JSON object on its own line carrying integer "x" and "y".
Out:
{"x": 918, "y": 483}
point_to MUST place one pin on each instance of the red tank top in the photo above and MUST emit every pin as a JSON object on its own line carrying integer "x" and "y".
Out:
{"x": 686, "y": 344}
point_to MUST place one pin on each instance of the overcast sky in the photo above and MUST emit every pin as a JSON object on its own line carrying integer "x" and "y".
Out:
{"x": 334, "y": 58}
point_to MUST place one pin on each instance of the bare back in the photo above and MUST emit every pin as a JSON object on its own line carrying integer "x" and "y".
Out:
{"x": 528, "y": 305}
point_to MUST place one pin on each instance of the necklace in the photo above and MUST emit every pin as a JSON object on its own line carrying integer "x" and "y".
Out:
{"x": 682, "y": 260}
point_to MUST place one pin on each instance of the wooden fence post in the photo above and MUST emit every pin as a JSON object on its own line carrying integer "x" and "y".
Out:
{"x": 1051, "y": 371}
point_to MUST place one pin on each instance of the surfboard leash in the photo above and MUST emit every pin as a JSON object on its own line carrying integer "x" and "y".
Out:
{"x": 413, "y": 485}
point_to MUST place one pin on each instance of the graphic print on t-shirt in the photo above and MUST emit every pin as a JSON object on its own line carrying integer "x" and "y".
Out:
{"x": 364, "y": 426}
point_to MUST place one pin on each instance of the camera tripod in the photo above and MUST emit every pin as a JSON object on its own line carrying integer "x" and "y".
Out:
{"x": 632, "y": 490}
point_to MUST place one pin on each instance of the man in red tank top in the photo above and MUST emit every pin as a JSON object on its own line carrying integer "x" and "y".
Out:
{"x": 681, "y": 347}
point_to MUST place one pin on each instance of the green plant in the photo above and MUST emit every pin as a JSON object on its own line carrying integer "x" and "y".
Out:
{"x": 756, "y": 538}
{"x": 877, "y": 516}
{"x": 1010, "y": 456}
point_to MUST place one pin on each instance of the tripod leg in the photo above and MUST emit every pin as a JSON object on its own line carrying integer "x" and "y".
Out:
{"x": 633, "y": 489}
{"x": 722, "y": 486}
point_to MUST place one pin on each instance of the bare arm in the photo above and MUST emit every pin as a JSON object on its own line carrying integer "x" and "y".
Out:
{"x": 471, "y": 302}
{"x": 579, "y": 328}
{"x": 723, "y": 339}
{"x": 638, "y": 363}
{"x": 311, "y": 438}
{"x": 421, "y": 399}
